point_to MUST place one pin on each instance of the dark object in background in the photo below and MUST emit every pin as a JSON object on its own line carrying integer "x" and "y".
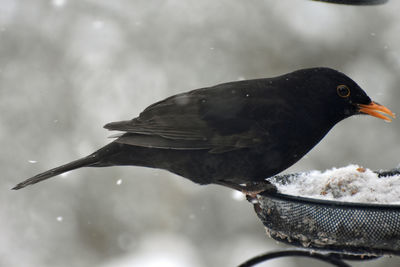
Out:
{"x": 233, "y": 133}
{"x": 354, "y": 2}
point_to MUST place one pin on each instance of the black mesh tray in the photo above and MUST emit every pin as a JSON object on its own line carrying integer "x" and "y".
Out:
{"x": 340, "y": 227}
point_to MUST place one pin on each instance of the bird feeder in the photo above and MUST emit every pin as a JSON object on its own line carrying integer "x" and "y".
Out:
{"x": 335, "y": 230}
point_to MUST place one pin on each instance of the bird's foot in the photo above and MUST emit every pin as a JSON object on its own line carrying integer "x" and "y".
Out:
{"x": 251, "y": 189}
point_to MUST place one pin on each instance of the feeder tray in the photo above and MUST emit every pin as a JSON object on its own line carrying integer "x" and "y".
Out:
{"x": 343, "y": 228}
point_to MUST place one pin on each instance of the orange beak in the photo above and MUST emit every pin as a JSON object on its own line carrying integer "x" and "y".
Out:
{"x": 377, "y": 110}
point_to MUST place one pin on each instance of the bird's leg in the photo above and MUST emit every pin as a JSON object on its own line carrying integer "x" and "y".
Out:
{"x": 250, "y": 189}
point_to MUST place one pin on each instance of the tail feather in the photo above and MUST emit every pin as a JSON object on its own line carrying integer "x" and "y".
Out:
{"x": 83, "y": 162}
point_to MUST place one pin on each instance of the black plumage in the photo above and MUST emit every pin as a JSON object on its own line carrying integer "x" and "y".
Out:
{"x": 233, "y": 133}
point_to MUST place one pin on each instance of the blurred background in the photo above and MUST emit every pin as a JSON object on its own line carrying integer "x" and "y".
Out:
{"x": 67, "y": 67}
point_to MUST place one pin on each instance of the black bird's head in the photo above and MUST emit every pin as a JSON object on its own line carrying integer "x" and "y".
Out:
{"x": 338, "y": 95}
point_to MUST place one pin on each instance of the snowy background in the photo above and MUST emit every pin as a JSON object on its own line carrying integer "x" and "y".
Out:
{"x": 67, "y": 67}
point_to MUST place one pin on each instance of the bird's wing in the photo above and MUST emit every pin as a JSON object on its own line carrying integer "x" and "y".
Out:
{"x": 217, "y": 119}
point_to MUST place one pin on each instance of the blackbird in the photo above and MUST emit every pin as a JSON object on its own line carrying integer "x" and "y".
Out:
{"x": 235, "y": 134}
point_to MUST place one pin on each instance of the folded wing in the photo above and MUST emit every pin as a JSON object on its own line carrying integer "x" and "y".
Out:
{"x": 217, "y": 119}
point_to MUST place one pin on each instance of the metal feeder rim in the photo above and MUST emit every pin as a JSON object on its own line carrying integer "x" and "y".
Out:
{"x": 330, "y": 203}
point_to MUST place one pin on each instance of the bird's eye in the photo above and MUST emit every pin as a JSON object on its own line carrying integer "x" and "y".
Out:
{"x": 343, "y": 90}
